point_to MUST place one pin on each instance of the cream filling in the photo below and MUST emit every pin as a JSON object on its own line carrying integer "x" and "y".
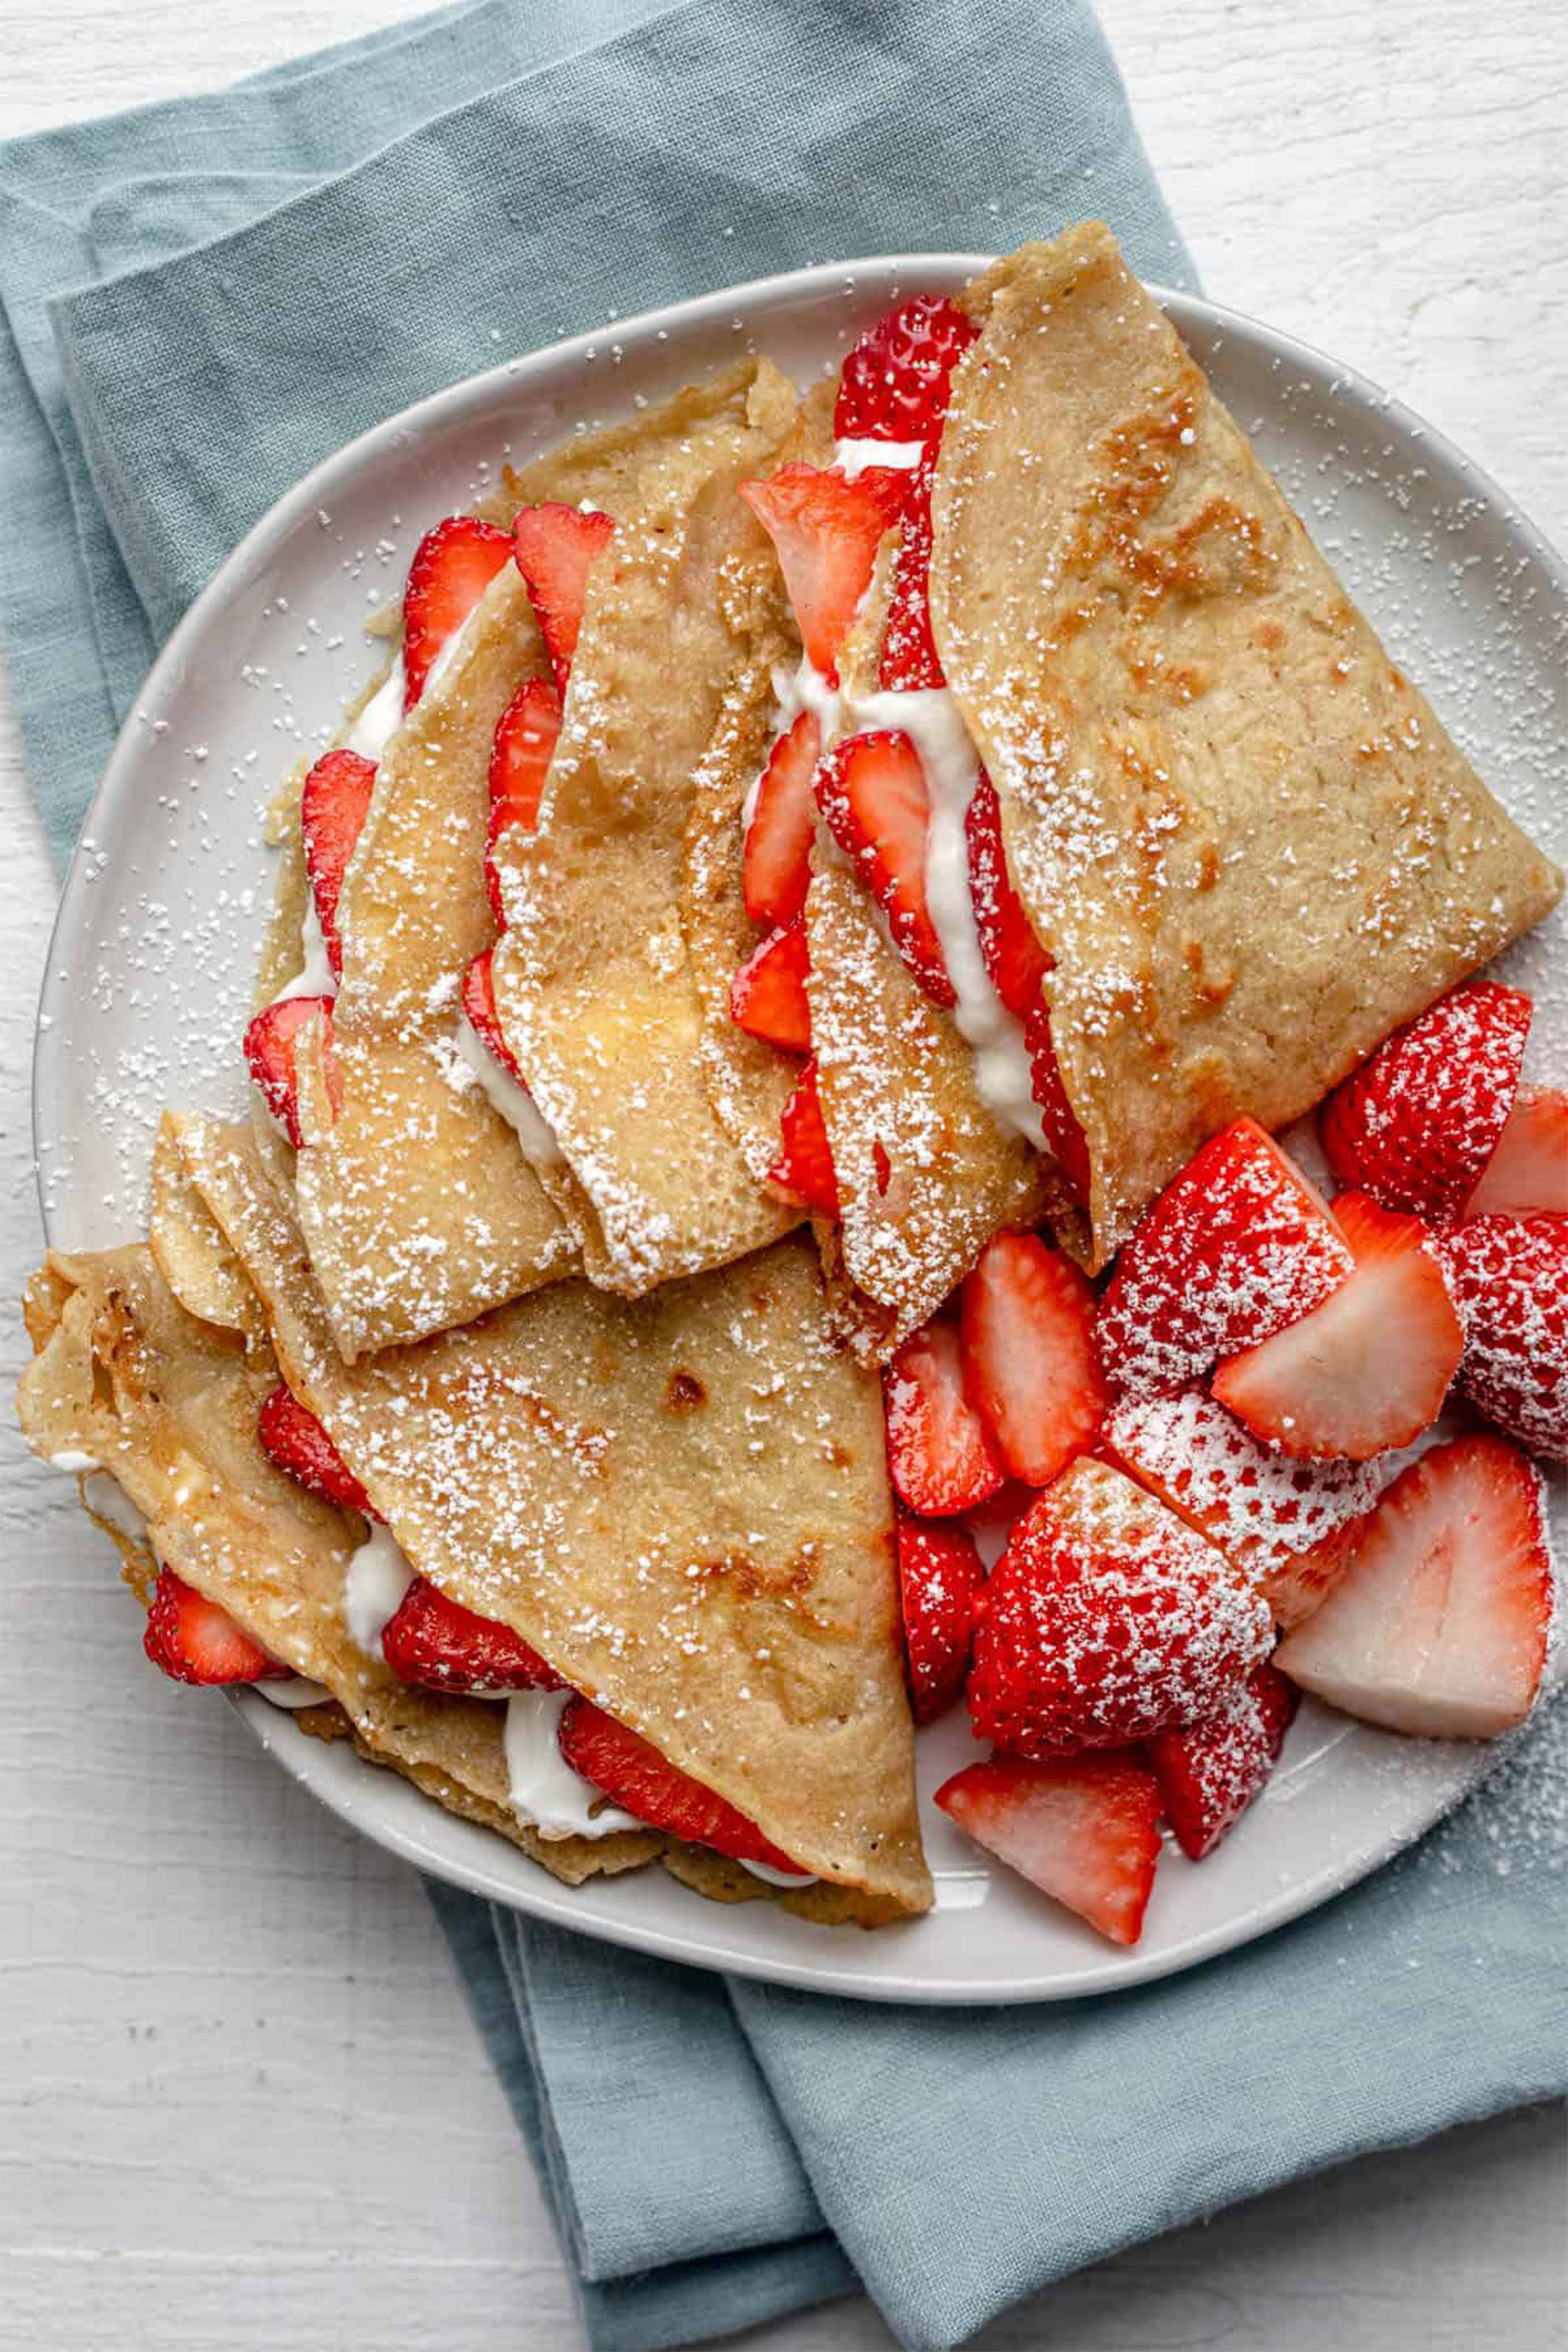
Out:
{"x": 505, "y": 1095}
{"x": 71, "y": 1460}
{"x": 314, "y": 976}
{"x": 855, "y": 458}
{"x": 294, "y": 1691}
{"x": 773, "y": 1877}
{"x": 377, "y": 1579}
{"x": 545, "y": 1793}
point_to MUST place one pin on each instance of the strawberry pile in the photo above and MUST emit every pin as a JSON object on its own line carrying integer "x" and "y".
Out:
{"x": 1214, "y": 1442}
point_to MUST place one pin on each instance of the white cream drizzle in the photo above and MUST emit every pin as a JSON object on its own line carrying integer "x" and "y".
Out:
{"x": 314, "y": 976}
{"x": 853, "y": 457}
{"x": 773, "y": 1877}
{"x": 70, "y": 1459}
{"x": 374, "y": 1584}
{"x": 503, "y": 1093}
{"x": 545, "y": 1793}
{"x": 291, "y": 1692}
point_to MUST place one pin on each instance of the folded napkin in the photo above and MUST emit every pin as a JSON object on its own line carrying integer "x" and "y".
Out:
{"x": 200, "y": 300}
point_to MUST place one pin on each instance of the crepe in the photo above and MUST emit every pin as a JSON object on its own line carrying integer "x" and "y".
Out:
{"x": 1241, "y": 832}
{"x": 594, "y": 981}
{"x": 682, "y": 1503}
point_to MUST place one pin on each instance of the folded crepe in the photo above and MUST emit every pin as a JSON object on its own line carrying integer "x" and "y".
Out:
{"x": 681, "y": 1503}
{"x": 1239, "y": 832}
{"x": 596, "y": 988}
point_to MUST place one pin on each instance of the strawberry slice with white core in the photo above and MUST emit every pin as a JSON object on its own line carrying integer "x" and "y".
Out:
{"x": 192, "y": 1640}
{"x": 641, "y": 1781}
{"x": 940, "y": 1453}
{"x": 520, "y": 755}
{"x": 297, "y": 1442}
{"x": 895, "y": 382}
{"x": 1291, "y": 1525}
{"x": 269, "y": 1044}
{"x": 804, "y": 1166}
{"x": 1209, "y": 1773}
{"x": 826, "y": 530}
{"x": 1084, "y": 1829}
{"x": 1417, "y": 1124}
{"x": 872, "y": 791}
{"x": 1370, "y": 1366}
{"x": 1439, "y": 1626}
{"x": 556, "y": 547}
{"x": 1509, "y": 1276}
{"x": 776, "y": 862}
{"x": 1014, "y": 957}
{"x": 767, "y": 995}
{"x": 453, "y": 565}
{"x": 941, "y": 1577}
{"x": 1236, "y": 1247}
{"x": 1030, "y": 1367}
{"x": 479, "y": 1006}
{"x": 1528, "y": 1174}
{"x": 332, "y": 813}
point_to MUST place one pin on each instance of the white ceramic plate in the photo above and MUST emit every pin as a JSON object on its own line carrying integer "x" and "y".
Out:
{"x": 150, "y": 972}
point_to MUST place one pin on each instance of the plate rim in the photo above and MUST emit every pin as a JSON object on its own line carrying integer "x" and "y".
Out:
{"x": 354, "y": 1803}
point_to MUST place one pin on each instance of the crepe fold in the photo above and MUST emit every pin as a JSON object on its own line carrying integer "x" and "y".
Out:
{"x": 680, "y": 1502}
{"x": 1239, "y": 831}
{"x": 596, "y": 983}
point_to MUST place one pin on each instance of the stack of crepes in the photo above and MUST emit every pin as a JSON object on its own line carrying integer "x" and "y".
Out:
{"x": 932, "y": 806}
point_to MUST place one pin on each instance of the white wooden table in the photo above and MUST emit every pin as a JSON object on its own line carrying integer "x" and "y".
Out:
{"x": 242, "y": 2104}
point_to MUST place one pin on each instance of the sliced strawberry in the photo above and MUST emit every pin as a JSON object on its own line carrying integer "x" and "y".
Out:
{"x": 825, "y": 530}
{"x": 872, "y": 791}
{"x": 332, "y": 815}
{"x": 1528, "y": 1174}
{"x": 1030, "y": 1369}
{"x": 1084, "y": 1829}
{"x": 555, "y": 547}
{"x": 1108, "y": 1618}
{"x": 776, "y": 859}
{"x": 1065, "y": 1139}
{"x": 631, "y": 1770}
{"x": 896, "y": 384}
{"x": 909, "y": 661}
{"x": 1439, "y": 1626}
{"x": 1370, "y": 1366}
{"x": 1509, "y": 1277}
{"x": 1209, "y": 1773}
{"x": 479, "y": 1004}
{"x": 453, "y": 565}
{"x": 1238, "y": 1245}
{"x": 435, "y": 1642}
{"x": 519, "y": 761}
{"x": 804, "y": 1166}
{"x": 767, "y": 995}
{"x": 296, "y": 1440}
{"x": 270, "y": 1050}
{"x": 940, "y": 1453}
{"x": 1014, "y": 957}
{"x": 940, "y": 1579}
{"x": 194, "y": 1641}
{"x": 1289, "y": 1524}
{"x": 1417, "y": 1124}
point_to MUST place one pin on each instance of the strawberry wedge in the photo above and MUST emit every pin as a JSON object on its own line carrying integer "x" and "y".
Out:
{"x": 453, "y": 565}
{"x": 1509, "y": 1276}
{"x": 1210, "y": 1771}
{"x": 1084, "y": 1829}
{"x": 268, "y": 1050}
{"x": 872, "y": 792}
{"x": 433, "y": 1640}
{"x": 555, "y": 547}
{"x": 804, "y": 1166}
{"x": 1528, "y": 1174}
{"x": 940, "y": 1581}
{"x": 332, "y": 813}
{"x": 295, "y": 1440}
{"x": 520, "y": 755}
{"x": 776, "y": 864}
{"x": 631, "y": 1770}
{"x": 1014, "y": 957}
{"x": 192, "y": 1640}
{"x": 767, "y": 995}
{"x": 1031, "y": 1370}
{"x": 825, "y": 530}
{"x": 940, "y": 1453}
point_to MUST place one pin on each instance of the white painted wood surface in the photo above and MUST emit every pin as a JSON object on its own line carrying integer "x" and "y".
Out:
{"x": 242, "y": 2102}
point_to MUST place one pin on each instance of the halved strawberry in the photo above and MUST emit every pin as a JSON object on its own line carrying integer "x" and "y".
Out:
{"x": 1014, "y": 957}
{"x": 1528, "y": 1174}
{"x": 194, "y": 1641}
{"x": 804, "y": 1166}
{"x": 1084, "y": 1829}
{"x": 825, "y": 530}
{"x": 270, "y": 1050}
{"x": 1238, "y": 1245}
{"x": 291, "y": 1435}
{"x": 453, "y": 565}
{"x": 908, "y": 660}
{"x": 1030, "y": 1369}
{"x": 1108, "y": 1618}
{"x": 332, "y": 815}
{"x": 1291, "y": 1525}
{"x": 940, "y": 1579}
{"x": 940, "y": 1453}
{"x": 895, "y": 382}
{"x": 872, "y": 791}
{"x": 1065, "y": 1139}
{"x": 1509, "y": 1277}
{"x": 1210, "y": 1771}
{"x": 631, "y": 1770}
{"x": 1370, "y": 1366}
{"x": 436, "y": 1643}
{"x": 519, "y": 761}
{"x": 1439, "y": 1626}
{"x": 767, "y": 995}
{"x": 1417, "y": 1124}
{"x": 479, "y": 1004}
{"x": 776, "y": 859}
{"x": 555, "y": 547}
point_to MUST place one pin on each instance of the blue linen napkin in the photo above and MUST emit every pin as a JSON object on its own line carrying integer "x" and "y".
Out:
{"x": 200, "y": 299}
